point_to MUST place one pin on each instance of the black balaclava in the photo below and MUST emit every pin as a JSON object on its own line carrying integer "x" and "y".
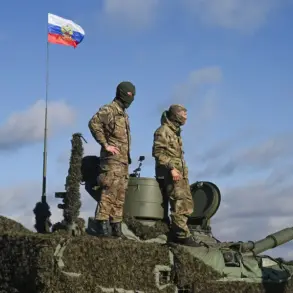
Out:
{"x": 174, "y": 116}
{"x": 125, "y": 93}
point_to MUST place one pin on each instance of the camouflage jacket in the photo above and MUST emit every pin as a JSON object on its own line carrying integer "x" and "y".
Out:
{"x": 110, "y": 126}
{"x": 168, "y": 149}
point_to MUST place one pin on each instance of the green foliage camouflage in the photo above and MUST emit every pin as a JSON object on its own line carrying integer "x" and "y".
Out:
{"x": 186, "y": 268}
{"x": 72, "y": 200}
{"x": 42, "y": 216}
{"x": 146, "y": 232}
{"x": 28, "y": 263}
{"x": 10, "y": 226}
{"x": 32, "y": 262}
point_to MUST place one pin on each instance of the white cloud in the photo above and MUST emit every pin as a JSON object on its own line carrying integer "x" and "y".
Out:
{"x": 188, "y": 91}
{"x": 267, "y": 155}
{"x": 134, "y": 14}
{"x": 206, "y": 75}
{"x": 244, "y": 15}
{"x": 199, "y": 94}
{"x": 27, "y": 126}
{"x": 197, "y": 78}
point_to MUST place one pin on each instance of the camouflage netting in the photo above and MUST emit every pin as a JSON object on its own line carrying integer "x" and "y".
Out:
{"x": 72, "y": 200}
{"x": 188, "y": 270}
{"x": 72, "y": 224}
{"x": 61, "y": 228}
{"x": 9, "y": 225}
{"x": 42, "y": 216}
{"x": 146, "y": 232}
{"x": 28, "y": 265}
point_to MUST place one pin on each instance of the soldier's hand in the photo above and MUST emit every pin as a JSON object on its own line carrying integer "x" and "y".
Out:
{"x": 175, "y": 174}
{"x": 112, "y": 149}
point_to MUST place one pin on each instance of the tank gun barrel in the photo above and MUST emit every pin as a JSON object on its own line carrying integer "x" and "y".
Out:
{"x": 271, "y": 241}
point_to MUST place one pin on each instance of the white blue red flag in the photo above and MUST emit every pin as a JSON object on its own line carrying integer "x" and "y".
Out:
{"x": 64, "y": 31}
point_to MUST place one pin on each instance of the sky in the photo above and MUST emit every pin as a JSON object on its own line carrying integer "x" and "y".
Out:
{"x": 228, "y": 62}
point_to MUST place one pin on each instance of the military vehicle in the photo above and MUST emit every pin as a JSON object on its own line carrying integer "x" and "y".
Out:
{"x": 69, "y": 258}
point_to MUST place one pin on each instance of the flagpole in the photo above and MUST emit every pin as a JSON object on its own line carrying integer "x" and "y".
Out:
{"x": 44, "y": 185}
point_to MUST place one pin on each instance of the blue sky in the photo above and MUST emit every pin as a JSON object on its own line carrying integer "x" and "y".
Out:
{"x": 230, "y": 64}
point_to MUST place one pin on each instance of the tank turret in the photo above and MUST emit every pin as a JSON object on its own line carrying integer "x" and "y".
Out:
{"x": 144, "y": 200}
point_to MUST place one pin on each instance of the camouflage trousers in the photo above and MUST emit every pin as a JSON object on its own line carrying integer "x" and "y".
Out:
{"x": 181, "y": 204}
{"x": 113, "y": 183}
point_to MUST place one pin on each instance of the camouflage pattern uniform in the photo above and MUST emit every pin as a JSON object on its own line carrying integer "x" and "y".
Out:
{"x": 110, "y": 127}
{"x": 168, "y": 153}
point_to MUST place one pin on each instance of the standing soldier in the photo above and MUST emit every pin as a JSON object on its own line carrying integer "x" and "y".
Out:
{"x": 110, "y": 128}
{"x": 172, "y": 172}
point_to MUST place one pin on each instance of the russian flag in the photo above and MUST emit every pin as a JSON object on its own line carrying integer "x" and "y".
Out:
{"x": 64, "y": 31}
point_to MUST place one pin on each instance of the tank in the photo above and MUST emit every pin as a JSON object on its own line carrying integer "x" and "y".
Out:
{"x": 70, "y": 258}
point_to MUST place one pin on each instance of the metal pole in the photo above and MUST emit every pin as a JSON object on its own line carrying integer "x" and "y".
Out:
{"x": 44, "y": 185}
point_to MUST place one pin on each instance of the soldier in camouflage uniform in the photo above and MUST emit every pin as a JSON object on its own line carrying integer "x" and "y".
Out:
{"x": 172, "y": 172}
{"x": 110, "y": 128}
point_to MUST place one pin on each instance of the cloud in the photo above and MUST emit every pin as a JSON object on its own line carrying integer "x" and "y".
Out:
{"x": 243, "y": 15}
{"x": 196, "y": 79}
{"x": 205, "y": 75}
{"x": 27, "y": 126}
{"x": 134, "y": 14}
{"x": 199, "y": 93}
{"x": 223, "y": 160}
{"x": 197, "y": 86}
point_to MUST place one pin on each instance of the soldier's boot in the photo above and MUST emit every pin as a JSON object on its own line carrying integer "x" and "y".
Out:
{"x": 102, "y": 228}
{"x": 116, "y": 230}
{"x": 188, "y": 241}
